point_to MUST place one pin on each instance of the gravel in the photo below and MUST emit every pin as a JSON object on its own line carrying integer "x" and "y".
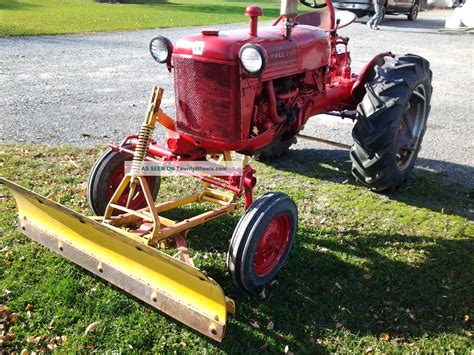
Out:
{"x": 93, "y": 88}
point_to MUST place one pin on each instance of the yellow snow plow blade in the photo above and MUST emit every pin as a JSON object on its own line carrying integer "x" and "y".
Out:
{"x": 179, "y": 290}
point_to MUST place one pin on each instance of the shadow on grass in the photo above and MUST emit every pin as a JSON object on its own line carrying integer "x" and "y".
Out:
{"x": 16, "y": 5}
{"x": 406, "y": 286}
{"x": 335, "y": 285}
{"x": 427, "y": 186}
{"x": 345, "y": 284}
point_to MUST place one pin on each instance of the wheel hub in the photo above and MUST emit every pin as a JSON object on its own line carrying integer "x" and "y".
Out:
{"x": 411, "y": 128}
{"x": 272, "y": 245}
{"x": 138, "y": 199}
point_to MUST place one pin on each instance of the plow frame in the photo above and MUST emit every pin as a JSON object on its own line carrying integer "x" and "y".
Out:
{"x": 166, "y": 283}
{"x": 222, "y": 191}
{"x": 34, "y": 211}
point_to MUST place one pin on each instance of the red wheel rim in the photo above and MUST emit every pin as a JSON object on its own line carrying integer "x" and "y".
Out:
{"x": 272, "y": 245}
{"x": 411, "y": 128}
{"x": 138, "y": 200}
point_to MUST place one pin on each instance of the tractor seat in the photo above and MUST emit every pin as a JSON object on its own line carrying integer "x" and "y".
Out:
{"x": 322, "y": 20}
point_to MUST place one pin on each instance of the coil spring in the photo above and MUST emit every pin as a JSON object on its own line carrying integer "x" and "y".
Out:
{"x": 144, "y": 138}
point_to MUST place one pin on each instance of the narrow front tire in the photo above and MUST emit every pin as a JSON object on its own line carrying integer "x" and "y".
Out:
{"x": 262, "y": 241}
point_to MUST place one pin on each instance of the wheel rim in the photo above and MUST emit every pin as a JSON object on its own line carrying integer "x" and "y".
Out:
{"x": 138, "y": 199}
{"x": 415, "y": 12}
{"x": 411, "y": 128}
{"x": 272, "y": 245}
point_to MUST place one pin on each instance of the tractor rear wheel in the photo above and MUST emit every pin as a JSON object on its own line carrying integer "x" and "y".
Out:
{"x": 391, "y": 123}
{"x": 262, "y": 241}
{"x": 105, "y": 177}
{"x": 275, "y": 149}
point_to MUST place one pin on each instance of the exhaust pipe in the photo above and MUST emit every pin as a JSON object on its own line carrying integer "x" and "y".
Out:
{"x": 288, "y": 10}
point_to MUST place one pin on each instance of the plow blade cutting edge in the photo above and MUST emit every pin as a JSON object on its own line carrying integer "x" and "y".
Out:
{"x": 175, "y": 288}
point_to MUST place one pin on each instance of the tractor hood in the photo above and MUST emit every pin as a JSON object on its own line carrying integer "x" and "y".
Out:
{"x": 308, "y": 48}
{"x": 212, "y": 44}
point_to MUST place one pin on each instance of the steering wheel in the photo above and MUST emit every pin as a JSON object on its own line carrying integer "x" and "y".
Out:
{"x": 313, "y": 5}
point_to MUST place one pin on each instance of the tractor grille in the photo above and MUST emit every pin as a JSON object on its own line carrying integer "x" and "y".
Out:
{"x": 207, "y": 99}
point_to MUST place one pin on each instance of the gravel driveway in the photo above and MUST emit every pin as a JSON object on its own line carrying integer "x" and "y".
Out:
{"x": 89, "y": 89}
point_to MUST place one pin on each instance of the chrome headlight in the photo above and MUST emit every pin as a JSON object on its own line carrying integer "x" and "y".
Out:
{"x": 161, "y": 49}
{"x": 252, "y": 58}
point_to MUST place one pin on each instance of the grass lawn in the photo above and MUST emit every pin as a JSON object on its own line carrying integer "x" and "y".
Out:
{"x": 369, "y": 273}
{"x": 40, "y": 17}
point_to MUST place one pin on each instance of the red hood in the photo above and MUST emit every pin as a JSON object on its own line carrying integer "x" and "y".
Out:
{"x": 226, "y": 45}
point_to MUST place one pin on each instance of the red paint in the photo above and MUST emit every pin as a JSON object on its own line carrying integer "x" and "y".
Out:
{"x": 273, "y": 103}
{"x": 321, "y": 19}
{"x": 308, "y": 49}
{"x": 234, "y": 184}
{"x": 332, "y": 14}
{"x": 248, "y": 182}
{"x": 210, "y": 31}
{"x": 248, "y": 197}
{"x": 366, "y": 75}
{"x": 218, "y": 103}
{"x": 272, "y": 245}
{"x": 220, "y": 107}
{"x": 156, "y": 150}
{"x": 138, "y": 199}
{"x": 253, "y": 11}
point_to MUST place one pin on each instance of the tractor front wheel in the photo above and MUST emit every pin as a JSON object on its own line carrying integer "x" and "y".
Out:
{"x": 105, "y": 177}
{"x": 262, "y": 241}
{"x": 391, "y": 122}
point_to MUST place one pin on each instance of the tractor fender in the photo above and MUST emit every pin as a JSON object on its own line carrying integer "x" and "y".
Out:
{"x": 366, "y": 75}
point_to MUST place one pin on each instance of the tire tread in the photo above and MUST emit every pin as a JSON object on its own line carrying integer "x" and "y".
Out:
{"x": 379, "y": 114}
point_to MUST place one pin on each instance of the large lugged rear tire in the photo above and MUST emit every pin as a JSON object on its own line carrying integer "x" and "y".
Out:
{"x": 392, "y": 122}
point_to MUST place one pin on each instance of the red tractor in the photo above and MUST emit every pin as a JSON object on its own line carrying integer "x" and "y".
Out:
{"x": 253, "y": 91}
{"x": 248, "y": 91}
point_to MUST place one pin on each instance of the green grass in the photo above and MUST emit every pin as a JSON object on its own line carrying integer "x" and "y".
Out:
{"x": 40, "y": 17}
{"x": 369, "y": 272}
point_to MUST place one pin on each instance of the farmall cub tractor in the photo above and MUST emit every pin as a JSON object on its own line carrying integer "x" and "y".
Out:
{"x": 245, "y": 91}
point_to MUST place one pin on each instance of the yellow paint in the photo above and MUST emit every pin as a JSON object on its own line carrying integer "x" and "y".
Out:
{"x": 182, "y": 282}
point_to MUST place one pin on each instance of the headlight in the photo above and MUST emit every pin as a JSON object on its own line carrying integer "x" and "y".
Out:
{"x": 161, "y": 49}
{"x": 252, "y": 59}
